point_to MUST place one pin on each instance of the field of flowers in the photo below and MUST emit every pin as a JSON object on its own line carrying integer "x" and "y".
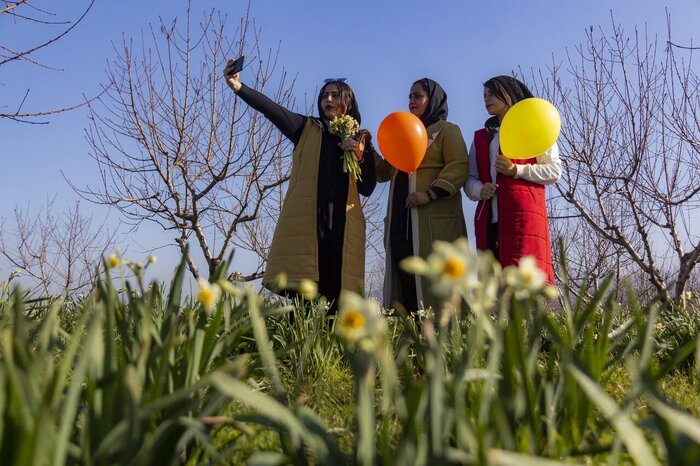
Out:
{"x": 510, "y": 371}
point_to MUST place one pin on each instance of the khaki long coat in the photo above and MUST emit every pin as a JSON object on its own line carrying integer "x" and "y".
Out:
{"x": 445, "y": 165}
{"x": 294, "y": 247}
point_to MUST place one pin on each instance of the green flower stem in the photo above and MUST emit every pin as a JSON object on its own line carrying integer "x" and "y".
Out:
{"x": 366, "y": 435}
{"x": 351, "y": 165}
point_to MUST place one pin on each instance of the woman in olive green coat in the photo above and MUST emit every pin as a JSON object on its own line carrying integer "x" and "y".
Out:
{"x": 425, "y": 205}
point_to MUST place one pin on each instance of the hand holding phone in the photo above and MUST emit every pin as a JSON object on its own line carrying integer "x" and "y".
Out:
{"x": 234, "y": 66}
{"x": 231, "y": 71}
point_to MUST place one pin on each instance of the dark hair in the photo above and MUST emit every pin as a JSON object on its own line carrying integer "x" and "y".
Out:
{"x": 508, "y": 89}
{"x": 348, "y": 103}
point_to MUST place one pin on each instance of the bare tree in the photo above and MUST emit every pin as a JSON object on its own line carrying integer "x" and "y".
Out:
{"x": 175, "y": 147}
{"x": 630, "y": 145}
{"x": 21, "y": 13}
{"x": 58, "y": 253}
{"x": 589, "y": 258}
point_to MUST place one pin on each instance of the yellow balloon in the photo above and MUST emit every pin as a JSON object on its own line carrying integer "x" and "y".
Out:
{"x": 530, "y": 127}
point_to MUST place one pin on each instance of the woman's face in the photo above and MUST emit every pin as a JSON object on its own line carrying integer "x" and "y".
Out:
{"x": 331, "y": 102}
{"x": 494, "y": 105}
{"x": 417, "y": 100}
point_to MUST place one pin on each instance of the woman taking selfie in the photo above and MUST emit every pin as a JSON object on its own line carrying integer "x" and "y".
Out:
{"x": 320, "y": 234}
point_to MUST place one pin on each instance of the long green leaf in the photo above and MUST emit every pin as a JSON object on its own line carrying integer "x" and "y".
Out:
{"x": 631, "y": 435}
{"x": 70, "y": 403}
{"x": 264, "y": 346}
{"x": 680, "y": 420}
{"x": 268, "y": 407}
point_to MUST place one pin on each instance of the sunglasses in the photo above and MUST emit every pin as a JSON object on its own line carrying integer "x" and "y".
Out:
{"x": 335, "y": 80}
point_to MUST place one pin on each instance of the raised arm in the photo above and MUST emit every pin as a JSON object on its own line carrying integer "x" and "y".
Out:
{"x": 289, "y": 123}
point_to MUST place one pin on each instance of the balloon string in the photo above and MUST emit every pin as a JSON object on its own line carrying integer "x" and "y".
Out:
{"x": 481, "y": 209}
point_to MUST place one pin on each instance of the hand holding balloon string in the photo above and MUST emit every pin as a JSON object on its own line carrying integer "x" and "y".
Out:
{"x": 417, "y": 199}
{"x": 488, "y": 191}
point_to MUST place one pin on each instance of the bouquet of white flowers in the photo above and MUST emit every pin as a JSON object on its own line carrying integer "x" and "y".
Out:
{"x": 347, "y": 127}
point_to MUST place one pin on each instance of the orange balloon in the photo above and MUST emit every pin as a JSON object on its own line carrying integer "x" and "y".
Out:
{"x": 403, "y": 140}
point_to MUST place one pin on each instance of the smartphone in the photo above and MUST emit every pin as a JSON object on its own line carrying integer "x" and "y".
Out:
{"x": 234, "y": 66}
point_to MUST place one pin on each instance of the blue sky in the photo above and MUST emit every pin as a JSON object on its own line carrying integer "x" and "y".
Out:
{"x": 381, "y": 46}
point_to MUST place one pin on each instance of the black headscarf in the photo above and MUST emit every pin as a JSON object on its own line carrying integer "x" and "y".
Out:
{"x": 401, "y": 235}
{"x": 505, "y": 88}
{"x": 347, "y": 97}
{"x": 437, "y": 103}
{"x": 332, "y": 183}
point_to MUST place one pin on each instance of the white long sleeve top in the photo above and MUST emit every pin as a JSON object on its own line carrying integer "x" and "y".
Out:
{"x": 546, "y": 171}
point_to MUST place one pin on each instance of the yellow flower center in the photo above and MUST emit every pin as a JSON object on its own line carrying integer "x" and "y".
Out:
{"x": 206, "y": 296}
{"x": 112, "y": 261}
{"x": 454, "y": 268}
{"x": 352, "y": 319}
{"x": 527, "y": 276}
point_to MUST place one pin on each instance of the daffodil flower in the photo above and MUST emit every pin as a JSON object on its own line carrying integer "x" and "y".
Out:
{"x": 281, "y": 280}
{"x": 450, "y": 267}
{"x": 347, "y": 127}
{"x": 308, "y": 288}
{"x": 359, "y": 321}
{"x": 551, "y": 292}
{"x": 113, "y": 261}
{"x": 209, "y": 294}
{"x": 526, "y": 278}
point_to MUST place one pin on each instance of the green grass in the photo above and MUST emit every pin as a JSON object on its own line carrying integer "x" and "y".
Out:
{"x": 681, "y": 388}
{"x": 144, "y": 376}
